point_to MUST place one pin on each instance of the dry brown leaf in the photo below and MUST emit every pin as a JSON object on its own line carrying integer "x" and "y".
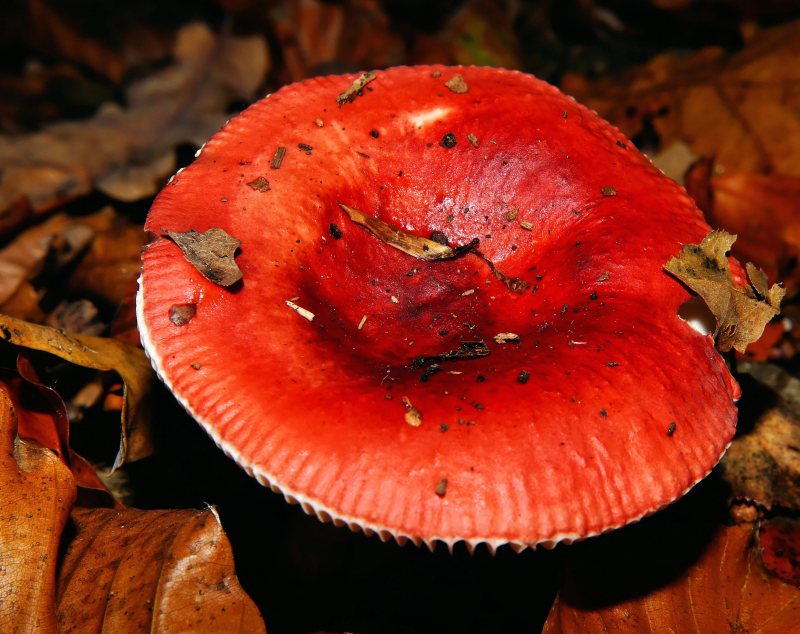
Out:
{"x": 416, "y": 246}
{"x": 316, "y": 36}
{"x": 185, "y": 102}
{"x": 763, "y": 462}
{"x": 105, "y": 354}
{"x": 763, "y": 210}
{"x": 725, "y": 589}
{"x": 24, "y": 257}
{"x": 211, "y": 253}
{"x": 128, "y": 570}
{"x": 763, "y": 465}
{"x": 111, "y": 263}
{"x": 741, "y": 311}
{"x": 37, "y": 493}
{"x": 54, "y": 34}
{"x": 740, "y": 109}
{"x": 124, "y": 570}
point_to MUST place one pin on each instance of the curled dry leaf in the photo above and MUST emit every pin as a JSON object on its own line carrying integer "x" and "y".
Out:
{"x": 211, "y": 253}
{"x": 127, "y": 152}
{"x": 25, "y": 256}
{"x": 128, "y": 570}
{"x": 741, "y": 312}
{"x": 762, "y": 209}
{"x": 722, "y": 588}
{"x": 105, "y": 354}
{"x": 416, "y": 246}
{"x": 762, "y": 464}
{"x": 37, "y": 493}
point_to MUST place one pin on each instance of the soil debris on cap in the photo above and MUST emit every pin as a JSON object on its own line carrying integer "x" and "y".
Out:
{"x": 441, "y": 488}
{"x": 608, "y": 190}
{"x": 457, "y": 84}
{"x": 742, "y": 312}
{"x": 306, "y": 314}
{"x": 181, "y": 314}
{"x": 448, "y": 141}
{"x": 526, "y": 225}
{"x": 355, "y": 88}
{"x": 472, "y": 139}
{"x": 260, "y": 184}
{"x": 412, "y": 416}
{"x": 280, "y": 152}
{"x": 466, "y": 350}
{"x": 421, "y": 248}
{"x": 506, "y": 337}
{"x": 211, "y": 253}
{"x": 523, "y": 376}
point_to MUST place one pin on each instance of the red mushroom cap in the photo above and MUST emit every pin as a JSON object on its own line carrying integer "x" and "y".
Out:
{"x": 535, "y": 387}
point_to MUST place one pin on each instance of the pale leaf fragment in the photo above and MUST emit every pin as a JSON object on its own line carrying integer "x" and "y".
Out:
{"x": 741, "y": 312}
{"x": 417, "y": 246}
{"x": 355, "y": 88}
{"x": 211, "y": 253}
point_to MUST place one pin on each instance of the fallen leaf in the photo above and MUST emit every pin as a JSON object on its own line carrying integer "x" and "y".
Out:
{"x": 185, "y": 102}
{"x": 722, "y": 588}
{"x": 38, "y": 492}
{"x": 105, "y": 354}
{"x": 25, "y": 256}
{"x": 741, "y": 312}
{"x": 355, "y": 88}
{"x": 735, "y": 107}
{"x": 417, "y": 246}
{"x": 779, "y": 542}
{"x": 56, "y": 35}
{"x": 763, "y": 462}
{"x": 128, "y": 570}
{"x": 762, "y": 209}
{"x": 211, "y": 253}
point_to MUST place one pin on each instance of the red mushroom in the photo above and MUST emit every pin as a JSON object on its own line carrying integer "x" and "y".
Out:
{"x": 452, "y": 323}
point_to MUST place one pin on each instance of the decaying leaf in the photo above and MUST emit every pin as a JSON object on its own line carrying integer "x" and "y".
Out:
{"x": 779, "y": 542}
{"x": 123, "y": 569}
{"x": 185, "y": 102}
{"x": 741, "y": 312}
{"x": 128, "y": 570}
{"x": 763, "y": 462}
{"x": 457, "y": 84}
{"x": 355, "y": 88}
{"x": 723, "y": 588}
{"x": 37, "y": 494}
{"x": 417, "y": 246}
{"x": 762, "y": 209}
{"x": 25, "y": 256}
{"x": 105, "y": 354}
{"x": 734, "y": 107}
{"x": 211, "y": 253}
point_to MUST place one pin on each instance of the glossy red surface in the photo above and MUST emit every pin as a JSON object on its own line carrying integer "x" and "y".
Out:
{"x": 315, "y": 407}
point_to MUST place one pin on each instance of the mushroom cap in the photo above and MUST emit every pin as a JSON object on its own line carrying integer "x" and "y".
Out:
{"x": 606, "y": 407}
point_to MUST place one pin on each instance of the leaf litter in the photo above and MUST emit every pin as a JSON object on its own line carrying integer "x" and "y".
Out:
{"x": 741, "y": 311}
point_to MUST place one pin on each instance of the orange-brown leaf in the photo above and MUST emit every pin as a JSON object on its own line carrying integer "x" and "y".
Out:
{"x": 37, "y": 493}
{"x": 725, "y": 589}
{"x": 737, "y": 108}
{"x": 161, "y": 571}
{"x": 100, "y": 353}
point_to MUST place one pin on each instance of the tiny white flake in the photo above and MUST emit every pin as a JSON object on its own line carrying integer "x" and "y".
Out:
{"x": 306, "y": 314}
{"x": 362, "y": 322}
{"x": 395, "y": 300}
{"x": 505, "y": 337}
{"x": 468, "y": 292}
